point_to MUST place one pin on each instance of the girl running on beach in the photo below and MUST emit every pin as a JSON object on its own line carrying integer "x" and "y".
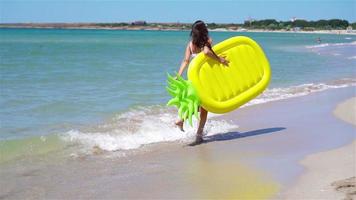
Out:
{"x": 200, "y": 42}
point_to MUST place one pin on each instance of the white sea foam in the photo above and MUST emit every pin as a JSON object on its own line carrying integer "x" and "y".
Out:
{"x": 353, "y": 43}
{"x": 140, "y": 127}
{"x": 341, "y": 50}
{"x": 274, "y": 94}
{"x": 153, "y": 124}
{"x": 336, "y": 54}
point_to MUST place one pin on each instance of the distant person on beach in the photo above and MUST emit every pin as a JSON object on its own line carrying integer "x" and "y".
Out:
{"x": 200, "y": 42}
{"x": 318, "y": 40}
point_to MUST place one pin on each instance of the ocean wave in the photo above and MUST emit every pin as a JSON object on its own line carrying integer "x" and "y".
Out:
{"x": 274, "y": 94}
{"x": 142, "y": 126}
{"x": 153, "y": 124}
{"x": 145, "y": 125}
{"x": 353, "y": 43}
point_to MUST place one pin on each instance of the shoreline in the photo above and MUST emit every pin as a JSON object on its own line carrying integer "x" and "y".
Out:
{"x": 248, "y": 158}
{"x": 346, "y": 111}
{"x": 333, "y": 32}
{"x": 42, "y": 144}
{"x": 329, "y": 174}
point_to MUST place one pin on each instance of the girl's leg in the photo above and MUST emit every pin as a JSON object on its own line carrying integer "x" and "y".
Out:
{"x": 203, "y": 117}
{"x": 180, "y": 124}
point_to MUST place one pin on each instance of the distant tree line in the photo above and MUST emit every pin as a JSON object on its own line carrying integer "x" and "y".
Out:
{"x": 267, "y": 24}
{"x": 353, "y": 25}
{"x": 273, "y": 24}
{"x": 112, "y": 24}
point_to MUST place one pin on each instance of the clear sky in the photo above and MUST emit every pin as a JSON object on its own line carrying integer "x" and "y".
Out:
{"x": 172, "y": 10}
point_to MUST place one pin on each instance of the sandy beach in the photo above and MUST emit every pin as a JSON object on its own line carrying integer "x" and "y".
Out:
{"x": 347, "y": 111}
{"x": 258, "y": 160}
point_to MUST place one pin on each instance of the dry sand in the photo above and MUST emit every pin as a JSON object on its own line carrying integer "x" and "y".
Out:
{"x": 347, "y": 111}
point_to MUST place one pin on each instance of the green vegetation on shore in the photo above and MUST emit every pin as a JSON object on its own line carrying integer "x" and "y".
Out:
{"x": 265, "y": 24}
{"x": 272, "y": 24}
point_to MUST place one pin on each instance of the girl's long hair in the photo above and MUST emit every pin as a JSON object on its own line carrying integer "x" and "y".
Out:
{"x": 200, "y": 35}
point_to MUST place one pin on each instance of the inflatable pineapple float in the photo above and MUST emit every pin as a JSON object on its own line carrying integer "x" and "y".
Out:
{"x": 218, "y": 88}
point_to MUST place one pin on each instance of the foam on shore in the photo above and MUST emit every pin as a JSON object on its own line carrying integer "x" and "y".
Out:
{"x": 141, "y": 126}
{"x": 263, "y": 158}
{"x": 153, "y": 124}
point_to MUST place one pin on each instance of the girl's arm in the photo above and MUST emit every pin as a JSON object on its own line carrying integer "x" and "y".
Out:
{"x": 208, "y": 51}
{"x": 185, "y": 61}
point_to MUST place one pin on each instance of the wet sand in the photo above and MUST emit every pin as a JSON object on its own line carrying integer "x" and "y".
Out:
{"x": 259, "y": 160}
{"x": 326, "y": 175}
{"x": 330, "y": 174}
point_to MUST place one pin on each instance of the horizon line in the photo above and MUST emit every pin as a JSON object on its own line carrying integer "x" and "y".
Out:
{"x": 173, "y": 22}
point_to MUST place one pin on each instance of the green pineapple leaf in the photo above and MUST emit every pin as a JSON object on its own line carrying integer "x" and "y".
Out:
{"x": 184, "y": 97}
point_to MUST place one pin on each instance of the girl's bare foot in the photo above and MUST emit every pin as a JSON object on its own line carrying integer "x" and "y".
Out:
{"x": 180, "y": 125}
{"x": 198, "y": 140}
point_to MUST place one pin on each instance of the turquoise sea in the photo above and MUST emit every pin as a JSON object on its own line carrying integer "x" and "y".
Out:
{"x": 106, "y": 88}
